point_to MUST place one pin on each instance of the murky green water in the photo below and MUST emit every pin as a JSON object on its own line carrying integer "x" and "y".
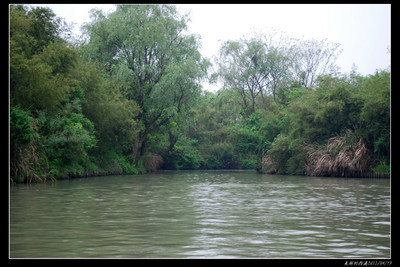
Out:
{"x": 194, "y": 214}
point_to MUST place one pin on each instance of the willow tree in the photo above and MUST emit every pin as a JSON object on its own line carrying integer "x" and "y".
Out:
{"x": 312, "y": 58}
{"x": 40, "y": 60}
{"x": 243, "y": 68}
{"x": 151, "y": 59}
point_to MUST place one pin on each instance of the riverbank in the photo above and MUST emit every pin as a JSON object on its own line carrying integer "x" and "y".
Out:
{"x": 343, "y": 155}
{"x": 101, "y": 172}
{"x": 324, "y": 166}
{"x": 364, "y": 175}
{"x": 379, "y": 172}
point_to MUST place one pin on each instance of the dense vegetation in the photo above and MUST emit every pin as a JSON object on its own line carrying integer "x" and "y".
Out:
{"x": 127, "y": 98}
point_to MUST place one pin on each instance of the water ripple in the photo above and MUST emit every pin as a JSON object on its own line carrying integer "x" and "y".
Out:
{"x": 202, "y": 215}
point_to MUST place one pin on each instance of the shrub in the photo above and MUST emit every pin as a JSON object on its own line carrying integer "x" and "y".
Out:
{"x": 28, "y": 163}
{"x": 382, "y": 168}
{"x": 279, "y": 154}
{"x": 183, "y": 159}
{"x": 247, "y": 163}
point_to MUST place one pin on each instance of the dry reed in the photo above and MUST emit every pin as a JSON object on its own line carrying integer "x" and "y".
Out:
{"x": 342, "y": 156}
{"x": 268, "y": 165}
{"x": 152, "y": 161}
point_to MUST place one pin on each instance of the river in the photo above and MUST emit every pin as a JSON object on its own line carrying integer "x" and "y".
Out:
{"x": 201, "y": 214}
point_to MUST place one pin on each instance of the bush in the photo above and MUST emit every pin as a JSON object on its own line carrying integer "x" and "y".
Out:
{"x": 279, "y": 154}
{"x": 211, "y": 162}
{"x": 183, "y": 159}
{"x": 28, "y": 162}
{"x": 112, "y": 162}
{"x": 247, "y": 163}
{"x": 229, "y": 159}
{"x": 382, "y": 168}
{"x": 21, "y": 130}
{"x": 184, "y": 155}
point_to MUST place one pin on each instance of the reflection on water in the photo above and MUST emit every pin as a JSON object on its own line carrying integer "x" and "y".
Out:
{"x": 196, "y": 214}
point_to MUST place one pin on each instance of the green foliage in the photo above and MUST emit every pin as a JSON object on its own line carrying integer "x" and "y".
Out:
{"x": 128, "y": 99}
{"x": 248, "y": 163}
{"x": 382, "y": 168}
{"x": 21, "y": 130}
{"x": 33, "y": 29}
{"x": 280, "y": 153}
{"x": 68, "y": 138}
{"x": 248, "y": 137}
{"x": 150, "y": 60}
{"x": 21, "y": 135}
{"x": 39, "y": 60}
{"x": 337, "y": 105}
{"x": 375, "y": 113}
{"x": 28, "y": 162}
{"x": 184, "y": 156}
{"x": 112, "y": 114}
{"x": 243, "y": 67}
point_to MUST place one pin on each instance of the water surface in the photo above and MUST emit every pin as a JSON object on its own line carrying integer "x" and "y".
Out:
{"x": 201, "y": 214}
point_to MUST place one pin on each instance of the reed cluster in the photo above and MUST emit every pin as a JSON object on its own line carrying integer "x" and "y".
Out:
{"x": 342, "y": 156}
{"x": 152, "y": 161}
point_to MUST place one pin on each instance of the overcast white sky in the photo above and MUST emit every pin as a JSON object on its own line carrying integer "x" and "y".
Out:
{"x": 362, "y": 30}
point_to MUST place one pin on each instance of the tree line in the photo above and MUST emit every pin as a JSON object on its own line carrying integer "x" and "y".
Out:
{"x": 126, "y": 98}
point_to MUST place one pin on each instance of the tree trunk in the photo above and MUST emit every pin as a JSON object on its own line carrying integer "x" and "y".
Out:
{"x": 137, "y": 147}
{"x": 172, "y": 141}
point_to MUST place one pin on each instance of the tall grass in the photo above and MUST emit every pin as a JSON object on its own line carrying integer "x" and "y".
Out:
{"x": 267, "y": 165}
{"x": 30, "y": 165}
{"x": 342, "y": 156}
{"x": 152, "y": 161}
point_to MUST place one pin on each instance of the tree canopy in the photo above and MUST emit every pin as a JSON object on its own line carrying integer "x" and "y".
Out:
{"x": 151, "y": 59}
{"x": 128, "y": 98}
